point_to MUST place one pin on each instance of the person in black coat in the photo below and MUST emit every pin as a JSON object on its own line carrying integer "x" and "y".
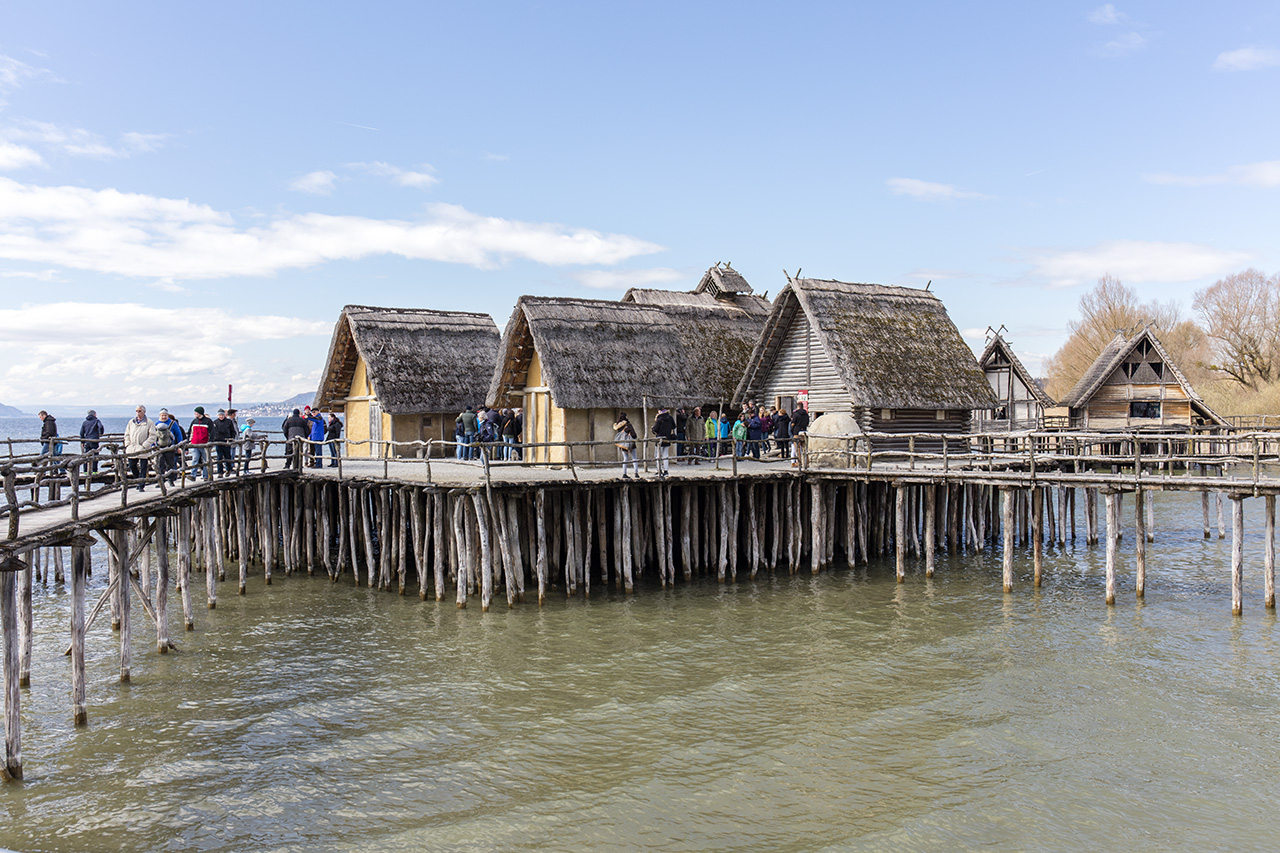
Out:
{"x": 48, "y": 433}
{"x": 664, "y": 427}
{"x": 90, "y": 432}
{"x": 295, "y": 426}
{"x": 333, "y": 432}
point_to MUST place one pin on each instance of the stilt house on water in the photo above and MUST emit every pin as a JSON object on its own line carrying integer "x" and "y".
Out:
{"x": 573, "y": 364}
{"x": 404, "y": 374}
{"x": 1020, "y": 401}
{"x": 1133, "y": 384}
{"x": 890, "y": 356}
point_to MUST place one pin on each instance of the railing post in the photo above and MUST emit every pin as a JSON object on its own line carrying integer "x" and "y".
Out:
{"x": 911, "y": 452}
{"x": 428, "y": 460}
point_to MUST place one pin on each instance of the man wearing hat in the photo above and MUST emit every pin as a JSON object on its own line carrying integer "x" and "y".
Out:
{"x": 90, "y": 432}
{"x": 248, "y": 435}
{"x": 201, "y": 426}
{"x": 222, "y": 434}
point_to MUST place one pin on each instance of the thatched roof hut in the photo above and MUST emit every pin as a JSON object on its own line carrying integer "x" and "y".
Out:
{"x": 1134, "y": 384}
{"x": 890, "y": 355}
{"x": 573, "y": 363}
{"x": 1021, "y": 402}
{"x": 400, "y": 373}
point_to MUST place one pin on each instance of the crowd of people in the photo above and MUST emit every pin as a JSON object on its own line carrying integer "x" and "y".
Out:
{"x": 478, "y": 430}
{"x": 219, "y": 445}
{"x": 756, "y": 432}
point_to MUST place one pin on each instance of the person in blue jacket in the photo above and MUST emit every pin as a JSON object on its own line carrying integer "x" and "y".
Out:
{"x": 315, "y": 451}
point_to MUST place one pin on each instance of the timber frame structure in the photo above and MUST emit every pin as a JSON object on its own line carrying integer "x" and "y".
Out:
{"x": 1133, "y": 384}
{"x": 1021, "y": 402}
{"x": 888, "y": 355}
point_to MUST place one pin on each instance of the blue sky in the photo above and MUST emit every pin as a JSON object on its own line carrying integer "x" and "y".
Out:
{"x": 189, "y": 195}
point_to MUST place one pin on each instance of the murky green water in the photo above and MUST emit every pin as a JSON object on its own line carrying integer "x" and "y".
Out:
{"x": 790, "y": 713}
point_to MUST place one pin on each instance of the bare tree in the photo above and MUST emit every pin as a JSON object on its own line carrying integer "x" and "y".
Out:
{"x": 1241, "y": 314}
{"x": 1112, "y": 308}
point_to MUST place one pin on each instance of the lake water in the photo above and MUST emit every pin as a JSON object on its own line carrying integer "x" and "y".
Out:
{"x": 837, "y": 712}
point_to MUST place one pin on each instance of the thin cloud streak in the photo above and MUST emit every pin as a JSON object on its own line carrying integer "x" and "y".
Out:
{"x": 1135, "y": 261}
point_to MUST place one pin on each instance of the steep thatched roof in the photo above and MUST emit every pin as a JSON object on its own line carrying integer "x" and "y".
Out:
{"x": 722, "y": 280}
{"x": 893, "y": 347}
{"x": 418, "y": 360}
{"x": 1113, "y": 355}
{"x": 999, "y": 346}
{"x": 600, "y": 354}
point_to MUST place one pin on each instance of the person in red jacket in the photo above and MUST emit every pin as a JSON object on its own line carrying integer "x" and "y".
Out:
{"x": 199, "y": 437}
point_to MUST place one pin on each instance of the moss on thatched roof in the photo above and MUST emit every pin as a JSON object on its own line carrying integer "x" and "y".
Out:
{"x": 418, "y": 360}
{"x": 999, "y": 346}
{"x": 893, "y": 347}
{"x": 600, "y": 354}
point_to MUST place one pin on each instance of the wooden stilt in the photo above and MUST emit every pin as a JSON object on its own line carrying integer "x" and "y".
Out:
{"x": 1007, "y": 494}
{"x": 900, "y": 532}
{"x": 25, "y": 626}
{"x": 9, "y": 570}
{"x": 930, "y": 531}
{"x": 1141, "y": 538}
{"x": 628, "y": 584}
{"x": 1113, "y": 525}
{"x": 1269, "y": 566}
{"x": 486, "y": 558}
{"x": 126, "y": 598}
{"x": 541, "y": 518}
{"x": 1037, "y": 534}
{"x": 440, "y": 504}
{"x": 242, "y": 539}
{"x": 1204, "y": 508}
{"x": 816, "y": 509}
{"x": 80, "y": 557}
{"x": 184, "y": 565}
{"x": 458, "y": 510}
{"x": 1237, "y": 554}
{"x": 1222, "y": 529}
{"x": 162, "y": 584}
{"x": 1151, "y": 515}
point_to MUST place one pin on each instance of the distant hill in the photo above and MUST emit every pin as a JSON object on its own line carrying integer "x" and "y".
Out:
{"x": 10, "y": 412}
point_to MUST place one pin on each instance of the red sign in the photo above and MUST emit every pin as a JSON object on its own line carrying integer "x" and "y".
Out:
{"x": 802, "y": 396}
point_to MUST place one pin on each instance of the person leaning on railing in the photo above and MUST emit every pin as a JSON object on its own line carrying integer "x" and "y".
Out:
{"x": 198, "y": 432}
{"x": 91, "y": 432}
{"x": 139, "y": 439}
{"x": 295, "y": 428}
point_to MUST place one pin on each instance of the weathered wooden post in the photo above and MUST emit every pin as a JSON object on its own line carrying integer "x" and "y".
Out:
{"x": 1037, "y": 533}
{"x": 126, "y": 589}
{"x": 930, "y": 534}
{"x": 1007, "y": 494}
{"x": 9, "y": 570}
{"x": 1140, "y": 536}
{"x": 79, "y": 575}
{"x": 1204, "y": 508}
{"x": 900, "y": 532}
{"x": 1113, "y": 537}
{"x": 1222, "y": 529}
{"x": 1237, "y": 554}
{"x": 1269, "y": 567}
{"x": 184, "y": 563}
{"x": 162, "y": 582}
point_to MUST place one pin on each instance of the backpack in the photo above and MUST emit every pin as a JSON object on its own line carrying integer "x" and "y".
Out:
{"x": 164, "y": 436}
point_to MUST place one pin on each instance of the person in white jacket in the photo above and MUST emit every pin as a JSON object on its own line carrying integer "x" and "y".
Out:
{"x": 139, "y": 437}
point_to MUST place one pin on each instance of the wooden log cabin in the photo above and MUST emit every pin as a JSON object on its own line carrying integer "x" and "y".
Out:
{"x": 888, "y": 355}
{"x": 404, "y": 374}
{"x": 573, "y": 364}
{"x": 1020, "y": 401}
{"x": 1134, "y": 384}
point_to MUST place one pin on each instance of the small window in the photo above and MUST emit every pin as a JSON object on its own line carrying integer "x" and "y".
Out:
{"x": 940, "y": 415}
{"x": 886, "y": 414}
{"x": 1158, "y": 369}
{"x": 1144, "y": 409}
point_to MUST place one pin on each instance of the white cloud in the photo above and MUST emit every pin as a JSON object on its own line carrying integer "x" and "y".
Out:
{"x": 1247, "y": 59}
{"x": 17, "y": 156}
{"x": 1264, "y": 174}
{"x": 316, "y": 183}
{"x": 79, "y": 142}
{"x": 1135, "y": 261}
{"x": 500, "y": 158}
{"x": 14, "y": 73}
{"x": 146, "y": 236}
{"x": 1107, "y": 14}
{"x": 34, "y": 275}
{"x": 1124, "y": 45}
{"x": 927, "y": 190}
{"x": 404, "y": 177}
{"x": 83, "y": 350}
{"x": 624, "y": 279}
